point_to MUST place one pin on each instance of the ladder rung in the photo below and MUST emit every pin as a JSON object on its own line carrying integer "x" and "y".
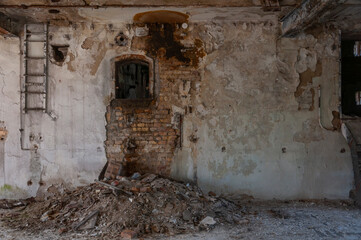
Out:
{"x": 35, "y": 41}
{"x": 35, "y": 58}
{"x": 34, "y": 84}
{"x": 35, "y": 23}
{"x": 34, "y": 75}
{"x": 34, "y": 92}
{"x": 34, "y": 109}
{"x": 35, "y": 33}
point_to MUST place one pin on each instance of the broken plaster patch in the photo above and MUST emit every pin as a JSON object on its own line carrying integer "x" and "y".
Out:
{"x": 98, "y": 58}
{"x": 71, "y": 68}
{"x": 88, "y": 43}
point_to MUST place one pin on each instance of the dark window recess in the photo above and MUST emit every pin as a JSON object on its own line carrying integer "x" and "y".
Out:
{"x": 132, "y": 80}
{"x": 351, "y": 78}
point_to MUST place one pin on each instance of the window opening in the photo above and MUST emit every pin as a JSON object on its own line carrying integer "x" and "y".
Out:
{"x": 357, "y": 49}
{"x": 351, "y": 78}
{"x": 132, "y": 79}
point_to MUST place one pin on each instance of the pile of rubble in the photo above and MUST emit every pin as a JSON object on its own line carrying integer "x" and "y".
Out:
{"x": 126, "y": 207}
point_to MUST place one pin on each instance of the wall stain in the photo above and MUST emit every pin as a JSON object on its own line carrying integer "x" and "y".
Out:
{"x": 165, "y": 42}
{"x": 71, "y": 68}
{"x": 98, "y": 58}
{"x": 88, "y": 43}
{"x": 161, "y": 16}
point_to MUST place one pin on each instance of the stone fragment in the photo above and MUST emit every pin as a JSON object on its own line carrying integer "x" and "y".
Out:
{"x": 45, "y": 216}
{"x": 62, "y": 230}
{"x": 210, "y": 193}
{"x": 115, "y": 183}
{"x": 243, "y": 221}
{"x": 149, "y": 178}
{"x": 155, "y": 228}
{"x": 128, "y": 234}
{"x": 145, "y": 189}
{"x": 187, "y": 215}
{"x": 208, "y": 221}
{"x": 135, "y": 176}
{"x": 134, "y": 189}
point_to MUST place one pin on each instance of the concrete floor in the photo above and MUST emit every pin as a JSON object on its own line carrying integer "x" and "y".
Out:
{"x": 267, "y": 220}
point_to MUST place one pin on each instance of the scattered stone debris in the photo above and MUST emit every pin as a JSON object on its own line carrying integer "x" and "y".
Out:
{"x": 10, "y": 204}
{"x": 137, "y": 206}
{"x": 278, "y": 214}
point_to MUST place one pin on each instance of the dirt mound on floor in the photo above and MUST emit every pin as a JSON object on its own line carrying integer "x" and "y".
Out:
{"x": 126, "y": 207}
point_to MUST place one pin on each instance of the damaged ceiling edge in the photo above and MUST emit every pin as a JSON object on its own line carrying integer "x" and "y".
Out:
{"x": 10, "y": 27}
{"x": 95, "y": 4}
{"x": 114, "y": 15}
{"x": 307, "y": 15}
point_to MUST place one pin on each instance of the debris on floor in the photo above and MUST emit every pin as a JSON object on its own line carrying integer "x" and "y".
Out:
{"x": 127, "y": 207}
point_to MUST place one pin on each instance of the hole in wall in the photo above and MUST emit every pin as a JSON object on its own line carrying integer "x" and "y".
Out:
{"x": 55, "y": 1}
{"x": 58, "y": 54}
{"x": 121, "y": 39}
{"x": 54, "y": 11}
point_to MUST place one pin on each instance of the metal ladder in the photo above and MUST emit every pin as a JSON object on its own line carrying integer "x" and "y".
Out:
{"x": 35, "y": 59}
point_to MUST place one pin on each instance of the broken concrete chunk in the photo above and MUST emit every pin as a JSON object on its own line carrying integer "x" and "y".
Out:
{"x": 149, "y": 178}
{"x": 128, "y": 234}
{"x": 145, "y": 189}
{"x": 115, "y": 183}
{"x": 208, "y": 221}
{"x": 135, "y": 176}
{"x": 45, "y": 216}
{"x": 187, "y": 215}
{"x": 88, "y": 222}
{"x": 243, "y": 221}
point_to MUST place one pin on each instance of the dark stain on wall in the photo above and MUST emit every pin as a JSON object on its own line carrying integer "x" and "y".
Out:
{"x": 161, "y": 16}
{"x": 164, "y": 41}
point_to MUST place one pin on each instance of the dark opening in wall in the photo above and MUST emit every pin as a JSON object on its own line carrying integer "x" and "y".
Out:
{"x": 121, "y": 39}
{"x": 132, "y": 79}
{"x": 351, "y": 78}
{"x": 58, "y": 53}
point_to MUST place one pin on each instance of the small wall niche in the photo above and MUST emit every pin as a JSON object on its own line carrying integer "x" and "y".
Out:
{"x": 58, "y": 54}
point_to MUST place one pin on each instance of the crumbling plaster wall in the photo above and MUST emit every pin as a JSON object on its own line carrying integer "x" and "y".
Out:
{"x": 14, "y": 163}
{"x": 250, "y": 121}
{"x": 70, "y": 148}
{"x": 256, "y": 119}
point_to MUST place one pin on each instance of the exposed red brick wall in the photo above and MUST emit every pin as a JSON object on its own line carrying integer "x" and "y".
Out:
{"x": 142, "y": 136}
